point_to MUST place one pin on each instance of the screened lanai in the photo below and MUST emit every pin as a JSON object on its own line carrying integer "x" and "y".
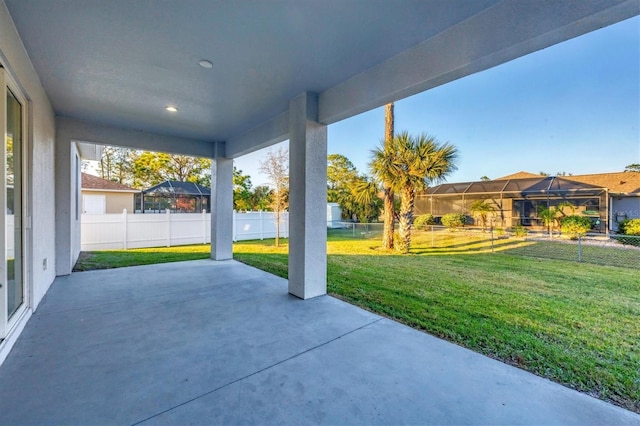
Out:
{"x": 518, "y": 201}
{"x": 175, "y": 196}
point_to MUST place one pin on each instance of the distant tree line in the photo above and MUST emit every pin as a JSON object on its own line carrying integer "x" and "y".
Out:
{"x": 143, "y": 169}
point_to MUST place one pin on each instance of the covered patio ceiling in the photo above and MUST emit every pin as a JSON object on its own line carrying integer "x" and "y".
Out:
{"x": 119, "y": 63}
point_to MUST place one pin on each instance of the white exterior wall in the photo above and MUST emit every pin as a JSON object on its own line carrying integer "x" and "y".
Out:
{"x": 40, "y": 203}
{"x": 623, "y": 208}
{"x": 67, "y": 224}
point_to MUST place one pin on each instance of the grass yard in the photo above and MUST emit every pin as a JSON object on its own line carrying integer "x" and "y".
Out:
{"x": 106, "y": 259}
{"x": 577, "y": 324}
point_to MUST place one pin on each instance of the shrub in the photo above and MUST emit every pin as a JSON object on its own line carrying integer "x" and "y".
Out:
{"x": 454, "y": 220}
{"x": 424, "y": 220}
{"x": 574, "y": 226}
{"x": 519, "y": 231}
{"x": 629, "y": 227}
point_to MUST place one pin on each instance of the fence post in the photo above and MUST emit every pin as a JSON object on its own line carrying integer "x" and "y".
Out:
{"x": 168, "y": 214}
{"x": 124, "y": 229}
{"x": 204, "y": 226}
{"x": 286, "y": 223}
{"x": 235, "y": 227}
{"x": 579, "y": 248}
{"x": 261, "y": 225}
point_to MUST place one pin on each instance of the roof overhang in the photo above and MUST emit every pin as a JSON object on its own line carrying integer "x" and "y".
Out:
{"x": 116, "y": 64}
{"x": 89, "y": 151}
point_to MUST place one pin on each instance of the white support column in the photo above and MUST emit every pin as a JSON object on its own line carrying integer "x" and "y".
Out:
{"x": 307, "y": 199}
{"x": 67, "y": 225}
{"x": 221, "y": 205}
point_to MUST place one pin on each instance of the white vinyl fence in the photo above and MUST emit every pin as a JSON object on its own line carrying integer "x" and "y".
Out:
{"x": 125, "y": 231}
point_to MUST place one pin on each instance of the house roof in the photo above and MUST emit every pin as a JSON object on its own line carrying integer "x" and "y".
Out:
{"x": 520, "y": 175}
{"x": 617, "y": 182}
{"x": 96, "y": 183}
{"x": 177, "y": 187}
{"x": 522, "y": 187}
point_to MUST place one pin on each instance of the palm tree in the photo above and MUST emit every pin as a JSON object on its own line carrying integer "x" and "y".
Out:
{"x": 387, "y": 187}
{"x": 482, "y": 210}
{"x": 552, "y": 216}
{"x": 365, "y": 194}
{"x": 409, "y": 164}
{"x": 548, "y": 216}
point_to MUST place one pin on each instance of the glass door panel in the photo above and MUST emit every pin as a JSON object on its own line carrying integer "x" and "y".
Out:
{"x": 13, "y": 213}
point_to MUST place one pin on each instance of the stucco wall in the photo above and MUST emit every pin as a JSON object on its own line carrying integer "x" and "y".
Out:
{"x": 624, "y": 208}
{"x": 41, "y": 175}
{"x": 115, "y": 202}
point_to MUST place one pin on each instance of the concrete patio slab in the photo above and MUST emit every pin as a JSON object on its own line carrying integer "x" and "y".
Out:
{"x": 207, "y": 342}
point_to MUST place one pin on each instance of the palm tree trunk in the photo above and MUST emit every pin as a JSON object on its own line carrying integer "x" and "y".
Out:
{"x": 406, "y": 220}
{"x": 389, "y": 218}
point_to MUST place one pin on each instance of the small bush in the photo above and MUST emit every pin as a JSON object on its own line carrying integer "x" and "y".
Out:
{"x": 424, "y": 220}
{"x": 519, "y": 231}
{"x": 629, "y": 227}
{"x": 454, "y": 220}
{"x": 574, "y": 226}
{"x": 499, "y": 232}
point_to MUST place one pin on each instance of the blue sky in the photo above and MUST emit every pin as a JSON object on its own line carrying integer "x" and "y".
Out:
{"x": 573, "y": 107}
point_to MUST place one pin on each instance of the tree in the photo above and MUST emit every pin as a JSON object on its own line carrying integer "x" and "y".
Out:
{"x": 365, "y": 195}
{"x": 276, "y": 168}
{"x": 261, "y": 198}
{"x": 485, "y": 178}
{"x": 241, "y": 191}
{"x": 553, "y": 215}
{"x": 548, "y": 216}
{"x": 341, "y": 175}
{"x": 340, "y": 171}
{"x": 142, "y": 169}
{"x": 482, "y": 210}
{"x": 115, "y": 164}
{"x": 387, "y": 186}
{"x": 152, "y": 168}
{"x": 635, "y": 167}
{"x": 409, "y": 164}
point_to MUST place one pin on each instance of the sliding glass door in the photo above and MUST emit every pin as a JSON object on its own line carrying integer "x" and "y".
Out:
{"x": 13, "y": 293}
{"x": 13, "y": 212}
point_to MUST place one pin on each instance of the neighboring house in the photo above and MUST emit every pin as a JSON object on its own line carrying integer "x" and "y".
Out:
{"x": 607, "y": 198}
{"x": 175, "y": 196}
{"x": 101, "y": 196}
{"x": 624, "y": 194}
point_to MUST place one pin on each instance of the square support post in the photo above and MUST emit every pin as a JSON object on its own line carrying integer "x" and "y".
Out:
{"x": 307, "y": 199}
{"x": 221, "y": 205}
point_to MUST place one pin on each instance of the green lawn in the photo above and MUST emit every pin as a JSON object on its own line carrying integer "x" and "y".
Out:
{"x": 120, "y": 258}
{"x": 577, "y": 324}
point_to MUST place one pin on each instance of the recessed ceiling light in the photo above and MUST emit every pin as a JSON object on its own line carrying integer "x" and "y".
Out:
{"x": 171, "y": 108}
{"x": 205, "y": 64}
